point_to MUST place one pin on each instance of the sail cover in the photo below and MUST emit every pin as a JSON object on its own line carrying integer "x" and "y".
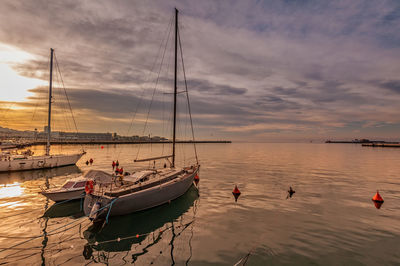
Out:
{"x": 98, "y": 175}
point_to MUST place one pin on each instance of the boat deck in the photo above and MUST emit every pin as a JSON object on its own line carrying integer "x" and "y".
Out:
{"x": 123, "y": 187}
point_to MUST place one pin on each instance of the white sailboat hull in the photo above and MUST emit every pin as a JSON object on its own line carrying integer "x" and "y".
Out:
{"x": 64, "y": 195}
{"x": 144, "y": 199}
{"x": 39, "y": 162}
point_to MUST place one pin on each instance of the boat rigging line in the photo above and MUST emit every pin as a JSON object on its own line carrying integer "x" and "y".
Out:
{"x": 155, "y": 88}
{"x": 40, "y": 98}
{"x": 187, "y": 97}
{"x": 166, "y": 37}
{"x": 51, "y": 232}
{"x": 66, "y": 95}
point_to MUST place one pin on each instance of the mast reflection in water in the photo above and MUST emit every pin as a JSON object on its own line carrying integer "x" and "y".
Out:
{"x": 144, "y": 229}
{"x": 45, "y": 220}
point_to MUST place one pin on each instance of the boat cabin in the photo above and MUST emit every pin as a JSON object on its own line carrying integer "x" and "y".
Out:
{"x": 140, "y": 176}
{"x": 74, "y": 184}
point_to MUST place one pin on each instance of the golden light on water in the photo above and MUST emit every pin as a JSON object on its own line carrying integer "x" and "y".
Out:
{"x": 11, "y": 190}
{"x": 13, "y": 86}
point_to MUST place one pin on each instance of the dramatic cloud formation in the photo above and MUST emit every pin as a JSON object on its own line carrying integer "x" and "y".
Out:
{"x": 257, "y": 70}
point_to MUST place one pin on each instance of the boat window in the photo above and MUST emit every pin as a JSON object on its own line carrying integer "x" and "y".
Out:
{"x": 68, "y": 184}
{"x": 144, "y": 179}
{"x": 80, "y": 184}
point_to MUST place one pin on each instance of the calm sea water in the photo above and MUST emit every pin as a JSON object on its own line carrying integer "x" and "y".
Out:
{"x": 330, "y": 220}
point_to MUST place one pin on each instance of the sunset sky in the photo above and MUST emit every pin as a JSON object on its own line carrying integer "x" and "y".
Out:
{"x": 256, "y": 70}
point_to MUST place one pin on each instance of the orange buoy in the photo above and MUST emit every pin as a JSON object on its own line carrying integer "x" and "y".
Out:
{"x": 236, "y": 193}
{"x": 196, "y": 179}
{"x": 377, "y": 198}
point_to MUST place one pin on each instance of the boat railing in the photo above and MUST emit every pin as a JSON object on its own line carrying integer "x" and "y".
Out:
{"x": 140, "y": 186}
{"x": 45, "y": 187}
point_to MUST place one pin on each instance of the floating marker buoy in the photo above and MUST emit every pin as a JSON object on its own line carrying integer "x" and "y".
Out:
{"x": 378, "y": 200}
{"x": 377, "y": 197}
{"x": 196, "y": 179}
{"x": 236, "y": 193}
{"x": 290, "y": 193}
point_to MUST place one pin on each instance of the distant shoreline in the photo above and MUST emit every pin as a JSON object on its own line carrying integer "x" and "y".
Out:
{"x": 105, "y": 142}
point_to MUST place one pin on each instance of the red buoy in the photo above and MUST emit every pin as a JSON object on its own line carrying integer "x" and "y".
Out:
{"x": 196, "y": 179}
{"x": 236, "y": 193}
{"x": 377, "y": 198}
{"x": 378, "y": 204}
{"x": 102, "y": 147}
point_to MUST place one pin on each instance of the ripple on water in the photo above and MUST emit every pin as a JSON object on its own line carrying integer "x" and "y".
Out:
{"x": 330, "y": 220}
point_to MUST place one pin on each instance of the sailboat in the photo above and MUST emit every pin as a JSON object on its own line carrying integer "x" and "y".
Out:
{"x": 27, "y": 161}
{"x": 147, "y": 188}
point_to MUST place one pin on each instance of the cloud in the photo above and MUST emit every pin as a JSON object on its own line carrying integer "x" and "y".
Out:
{"x": 392, "y": 85}
{"x": 306, "y": 67}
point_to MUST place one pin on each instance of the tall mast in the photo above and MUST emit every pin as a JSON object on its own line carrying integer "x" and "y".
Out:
{"x": 49, "y": 114}
{"x": 175, "y": 89}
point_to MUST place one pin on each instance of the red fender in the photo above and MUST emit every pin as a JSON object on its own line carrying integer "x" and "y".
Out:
{"x": 89, "y": 187}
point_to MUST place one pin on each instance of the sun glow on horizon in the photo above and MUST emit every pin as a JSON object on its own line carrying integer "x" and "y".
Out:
{"x": 14, "y": 87}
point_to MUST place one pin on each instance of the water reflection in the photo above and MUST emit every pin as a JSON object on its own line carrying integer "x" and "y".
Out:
{"x": 378, "y": 204}
{"x": 330, "y": 181}
{"x": 11, "y": 190}
{"x": 45, "y": 237}
{"x": 124, "y": 231}
{"x": 65, "y": 209}
{"x": 21, "y": 176}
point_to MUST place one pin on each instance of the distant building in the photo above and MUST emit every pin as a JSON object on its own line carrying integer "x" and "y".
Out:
{"x": 59, "y": 135}
{"x": 35, "y": 135}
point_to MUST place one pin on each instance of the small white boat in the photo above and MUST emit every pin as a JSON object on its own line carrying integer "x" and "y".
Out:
{"x": 72, "y": 189}
{"x": 75, "y": 188}
{"x": 28, "y": 161}
{"x": 20, "y": 162}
